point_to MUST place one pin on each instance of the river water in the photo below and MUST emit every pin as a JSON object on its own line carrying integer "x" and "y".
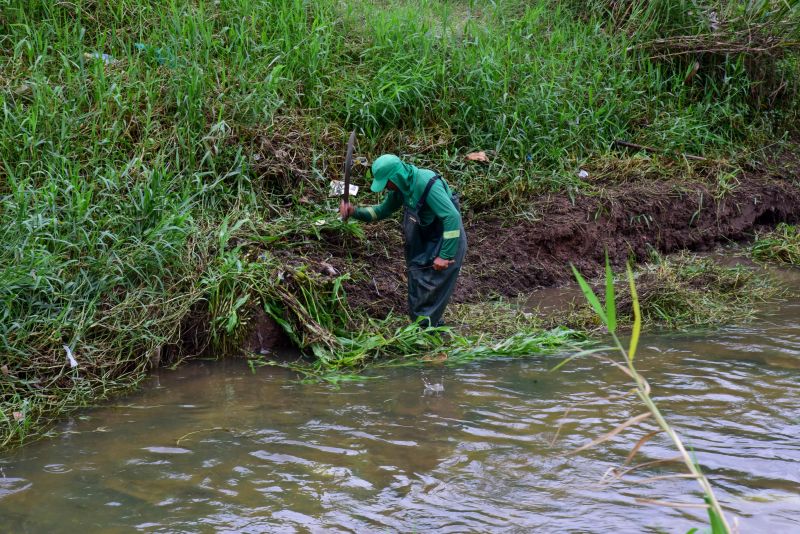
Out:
{"x": 213, "y": 446}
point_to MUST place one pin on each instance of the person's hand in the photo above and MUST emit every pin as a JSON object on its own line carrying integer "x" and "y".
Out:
{"x": 440, "y": 264}
{"x": 346, "y": 210}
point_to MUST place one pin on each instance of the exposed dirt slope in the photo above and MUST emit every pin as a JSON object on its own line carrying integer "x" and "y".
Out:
{"x": 512, "y": 258}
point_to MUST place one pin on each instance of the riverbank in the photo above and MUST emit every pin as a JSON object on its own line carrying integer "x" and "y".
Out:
{"x": 512, "y": 254}
{"x": 165, "y": 169}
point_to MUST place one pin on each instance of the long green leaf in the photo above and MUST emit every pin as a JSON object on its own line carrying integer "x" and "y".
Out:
{"x": 637, "y": 317}
{"x": 717, "y": 526}
{"x": 590, "y": 296}
{"x": 611, "y": 306}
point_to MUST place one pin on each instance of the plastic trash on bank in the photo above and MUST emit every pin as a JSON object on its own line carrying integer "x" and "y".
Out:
{"x": 70, "y": 358}
{"x": 105, "y": 58}
{"x": 160, "y": 55}
{"x": 337, "y": 189}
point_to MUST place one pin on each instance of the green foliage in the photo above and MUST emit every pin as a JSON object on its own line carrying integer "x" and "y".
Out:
{"x": 688, "y": 290}
{"x": 741, "y": 51}
{"x": 680, "y": 291}
{"x": 148, "y": 148}
{"x": 607, "y": 314}
{"x": 591, "y": 298}
{"x": 410, "y": 345}
{"x": 637, "y": 315}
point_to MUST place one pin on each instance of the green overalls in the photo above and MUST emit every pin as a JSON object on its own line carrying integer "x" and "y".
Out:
{"x": 432, "y": 227}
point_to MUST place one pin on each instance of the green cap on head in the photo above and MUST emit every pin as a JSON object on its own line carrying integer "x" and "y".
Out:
{"x": 383, "y": 169}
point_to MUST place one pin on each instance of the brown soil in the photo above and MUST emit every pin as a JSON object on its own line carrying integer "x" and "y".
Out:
{"x": 265, "y": 334}
{"x": 629, "y": 220}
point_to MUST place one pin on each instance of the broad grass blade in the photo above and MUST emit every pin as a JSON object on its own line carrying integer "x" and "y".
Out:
{"x": 611, "y": 307}
{"x": 637, "y": 317}
{"x": 717, "y": 525}
{"x": 590, "y": 296}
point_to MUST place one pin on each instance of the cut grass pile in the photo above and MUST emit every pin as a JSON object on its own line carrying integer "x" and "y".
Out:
{"x": 781, "y": 246}
{"x": 676, "y": 292}
{"x": 684, "y": 291}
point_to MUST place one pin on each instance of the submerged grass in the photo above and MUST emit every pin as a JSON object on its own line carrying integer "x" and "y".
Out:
{"x": 408, "y": 345}
{"x": 157, "y": 156}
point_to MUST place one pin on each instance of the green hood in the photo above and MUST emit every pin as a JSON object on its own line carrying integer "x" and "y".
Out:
{"x": 390, "y": 167}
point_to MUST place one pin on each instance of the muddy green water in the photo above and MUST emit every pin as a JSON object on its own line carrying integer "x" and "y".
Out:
{"x": 214, "y": 447}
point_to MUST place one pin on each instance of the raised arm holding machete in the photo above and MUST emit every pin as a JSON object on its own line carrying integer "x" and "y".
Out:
{"x": 435, "y": 242}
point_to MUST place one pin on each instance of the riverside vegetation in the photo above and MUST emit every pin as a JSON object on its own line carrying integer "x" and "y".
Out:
{"x": 163, "y": 163}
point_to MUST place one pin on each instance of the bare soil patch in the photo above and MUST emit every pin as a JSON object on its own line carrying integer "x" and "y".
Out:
{"x": 508, "y": 258}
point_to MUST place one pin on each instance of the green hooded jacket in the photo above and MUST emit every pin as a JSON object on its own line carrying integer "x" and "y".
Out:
{"x": 411, "y": 182}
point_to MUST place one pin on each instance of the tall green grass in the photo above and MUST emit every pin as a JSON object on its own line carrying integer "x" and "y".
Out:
{"x": 134, "y": 190}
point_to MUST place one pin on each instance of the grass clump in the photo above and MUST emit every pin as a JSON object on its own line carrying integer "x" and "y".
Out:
{"x": 781, "y": 246}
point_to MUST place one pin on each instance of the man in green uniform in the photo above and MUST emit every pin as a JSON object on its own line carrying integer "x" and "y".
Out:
{"x": 435, "y": 242}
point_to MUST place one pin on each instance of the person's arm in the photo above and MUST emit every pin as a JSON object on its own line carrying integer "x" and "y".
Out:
{"x": 390, "y": 204}
{"x": 440, "y": 202}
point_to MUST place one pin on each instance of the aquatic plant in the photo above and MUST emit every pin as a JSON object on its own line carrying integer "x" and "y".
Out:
{"x": 608, "y": 315}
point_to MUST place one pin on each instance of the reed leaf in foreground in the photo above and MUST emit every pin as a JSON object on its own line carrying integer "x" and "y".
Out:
{"x": 718, "y": 522}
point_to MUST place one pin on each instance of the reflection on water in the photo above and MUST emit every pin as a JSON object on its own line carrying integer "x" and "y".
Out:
{"x": 212, "y": 446}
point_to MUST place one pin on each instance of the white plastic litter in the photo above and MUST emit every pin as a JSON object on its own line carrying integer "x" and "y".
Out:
{"x": 105, "y": 58}
{"x": 337, "y": 188}
{"x": 72, "y": 361}
{"x": 583, "y": 174}
{"x": 432, "y": 388}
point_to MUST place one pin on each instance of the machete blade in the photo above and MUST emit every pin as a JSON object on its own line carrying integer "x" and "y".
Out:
{"x": 348, "y": 164}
